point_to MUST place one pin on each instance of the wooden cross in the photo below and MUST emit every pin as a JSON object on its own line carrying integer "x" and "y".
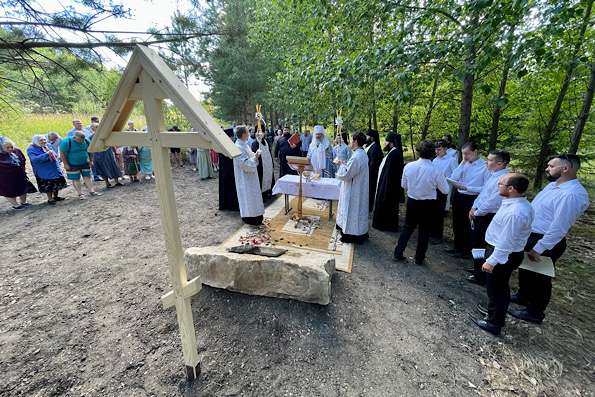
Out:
{"x": 147, "y": 78}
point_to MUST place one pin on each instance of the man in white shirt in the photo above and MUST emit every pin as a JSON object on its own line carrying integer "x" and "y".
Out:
{"x": 445, "y": 164}
{"x": 485, "y": 207}
{"x": 468, "y": 180}
{"x": 421, "y": 180}
{"x": 507, "y": 235}
{"x": 557, "y": 207}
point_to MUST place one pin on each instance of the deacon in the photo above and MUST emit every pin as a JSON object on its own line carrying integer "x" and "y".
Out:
{"x": 469, "y": 178}
{"x": 421, "y": 180}
{"x": 352, "y": 211}
{"x": 320, "y": 154}
{"x": 265, "y": 164}
{"x": 374, "y": 152}
{"x": 557, "y": 207}
{"x": 445, "y": 164}
{"x": 228, "y": 197}
{"x": 389, "y": 192}
{"x": 507, "y": 235}
{"x": 246, "y": 177}
{"x": 485, "y": 206}
{"x": 286, "y": 148}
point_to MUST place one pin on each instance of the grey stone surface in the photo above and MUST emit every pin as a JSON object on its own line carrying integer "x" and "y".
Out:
{"x": 298, "y": 274}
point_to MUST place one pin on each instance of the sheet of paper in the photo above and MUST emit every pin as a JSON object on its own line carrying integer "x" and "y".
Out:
{"x": 454, "y": 183}
{"x": 545, "y": 266}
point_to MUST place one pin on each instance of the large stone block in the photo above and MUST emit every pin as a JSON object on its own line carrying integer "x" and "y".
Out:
{"x": 297, "y": 274}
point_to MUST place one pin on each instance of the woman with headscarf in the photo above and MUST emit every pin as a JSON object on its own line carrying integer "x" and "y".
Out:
{"x": 14, "y": 184}
{"x": 105, "y": 165}
{"x": 46, "y": 168}
{"x": 145, "y": 163}
{"x": 320, "y": 153}
{"x": 265, "y": 163}
{"x": 389, "y": 192}
{"x": 374, "y": 152}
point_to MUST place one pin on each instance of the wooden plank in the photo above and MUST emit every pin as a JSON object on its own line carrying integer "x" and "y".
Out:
{"x": 137, "y": 92}
{"x": 179, "y": 94}
{"x": 124, "y": 115}
{"x": 183, "y": 139}
{"x": 128, "y": 138}
{"x": 192, "y": 288}
{"x": 118, "y": 108}
{"x": 171, "y": 229}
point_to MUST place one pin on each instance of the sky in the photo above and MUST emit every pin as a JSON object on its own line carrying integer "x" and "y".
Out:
{"x": 145, "y": 14}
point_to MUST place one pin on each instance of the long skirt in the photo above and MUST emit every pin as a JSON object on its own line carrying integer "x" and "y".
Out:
{"x": 106, "y": 165}
{"x": 14, "y": 182}
{"x": 51, "y": 185}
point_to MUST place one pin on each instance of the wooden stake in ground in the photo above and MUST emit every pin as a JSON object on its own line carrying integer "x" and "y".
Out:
{"x": 149, "y": 79}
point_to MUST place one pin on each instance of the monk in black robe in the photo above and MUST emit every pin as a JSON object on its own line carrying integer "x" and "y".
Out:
{"x": 228, "y": 197}
{"x": 375, "y": 156}
{"x": 389, "y": 192}
{"x": 284, "y": 149}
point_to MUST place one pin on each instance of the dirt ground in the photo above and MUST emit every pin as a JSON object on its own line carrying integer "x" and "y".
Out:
{"x": 80, "y": 315}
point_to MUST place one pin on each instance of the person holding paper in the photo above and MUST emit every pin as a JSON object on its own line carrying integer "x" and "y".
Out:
{"x": 467, "y": 180}
{"x": 557, "y": 207}
{"x": 421, "y": 180}
{"x": 485, "y": 206}
{"x": 506, "y": 237}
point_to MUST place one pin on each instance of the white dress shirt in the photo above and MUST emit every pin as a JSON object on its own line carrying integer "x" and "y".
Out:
{"x": 446, "y": 164}
{"x": 489, "y": 199}
{"x": 510, "y": 229}
{"x": 453, "y": 153}
{"x": 556, "y": 208}
{"x": 421, "y": 179}
{"x": 473, "y": 175}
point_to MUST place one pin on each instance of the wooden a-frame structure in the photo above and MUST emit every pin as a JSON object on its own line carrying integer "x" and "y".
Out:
{"x": 147, "y": 78}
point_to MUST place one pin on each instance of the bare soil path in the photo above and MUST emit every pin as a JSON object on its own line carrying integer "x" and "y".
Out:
{"x": 80, "y": 315}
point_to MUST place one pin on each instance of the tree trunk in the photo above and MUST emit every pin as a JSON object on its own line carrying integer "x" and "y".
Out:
{"x": 467, "y": 95}
{"x": 411, "y": 130}
{"x": 373, "y": 107}
{"x": 548, "y": 132}
{"x": 493, "y": 137}
{"x": 584, "y": 114}
{"x": 396, "y": 116}
{"x": 426, "y": 124}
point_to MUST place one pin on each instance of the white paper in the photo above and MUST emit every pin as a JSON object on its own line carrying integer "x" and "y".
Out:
{"x": 545, "y": 266}
{"x": 478, "y": 253}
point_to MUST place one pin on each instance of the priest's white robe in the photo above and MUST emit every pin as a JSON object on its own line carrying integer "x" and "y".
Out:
{"x": 247, "y": 183}
{"x": 267, "y": 166}
{"x": 353, "y": 208}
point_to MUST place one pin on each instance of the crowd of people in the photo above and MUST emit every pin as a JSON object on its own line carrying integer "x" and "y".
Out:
{"x": 485, "y": 197}
{"x": 490, "y": 211}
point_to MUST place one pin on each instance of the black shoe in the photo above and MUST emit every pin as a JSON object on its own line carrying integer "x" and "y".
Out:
{"x": 515, "y": 298}
{"x": 487, "y": 326}
{"x": 482, "y": 309}
{"x": 59, "y": 198}
{"x": 399, "y": 258}
{"x": 523, "y": 314}
{"x": 470, "y": 270}
{"x": 52, "y": 202}
{"x": 420, "y": 262}
{"x": 475, "y": 280}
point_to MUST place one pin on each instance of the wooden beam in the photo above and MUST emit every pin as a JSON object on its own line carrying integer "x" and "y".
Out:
{"x": 171, "y": 231}
{"x": 183, "y": 139}
{"x": 188, "y": 291}
{"x": 137, "y": 92}
{"x": 128, "y": 138}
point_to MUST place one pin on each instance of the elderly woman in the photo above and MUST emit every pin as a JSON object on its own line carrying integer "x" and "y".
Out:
{"x": 105, "y": 165}
{"x": 46, "y": 168}
{"x": 14, "y": 184}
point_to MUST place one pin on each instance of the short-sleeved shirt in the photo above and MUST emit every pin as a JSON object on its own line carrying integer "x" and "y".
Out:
{"x": 76, "y": 153}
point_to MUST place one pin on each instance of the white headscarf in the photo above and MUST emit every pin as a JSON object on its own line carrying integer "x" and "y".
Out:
{"x": 317, "y": 149}
{"x": 36, "y": 138}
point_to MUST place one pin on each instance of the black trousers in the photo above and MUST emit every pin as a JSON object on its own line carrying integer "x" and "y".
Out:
{"x": 438, "y": 223}
{"x": 419, "y": 214}
{"x": 478, "y": 235}
{"x": 535, "y": 290}
{"x": 498, "y": 289}
{"x": 253, "y": 220}
{"x": 461, "y": 227}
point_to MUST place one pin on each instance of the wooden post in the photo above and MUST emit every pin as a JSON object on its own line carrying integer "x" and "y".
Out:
{"x": 171, "y": 231}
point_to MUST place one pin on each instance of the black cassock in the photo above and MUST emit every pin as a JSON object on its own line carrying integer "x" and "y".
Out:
{"x": 284, "y": 150}
{"x": 267, "y": 194}
{"x": 228, "y": 197}
{"x": 389, "y": 193}
{"x": 375, "y": 157}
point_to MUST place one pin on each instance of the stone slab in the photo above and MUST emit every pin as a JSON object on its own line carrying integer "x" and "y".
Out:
{"x": 297, "y": 274}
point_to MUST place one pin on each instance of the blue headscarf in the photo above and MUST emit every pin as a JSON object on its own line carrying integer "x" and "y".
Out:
{"x": 8, "y": 158}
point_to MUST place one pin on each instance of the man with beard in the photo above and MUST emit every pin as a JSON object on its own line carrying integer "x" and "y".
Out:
{"x": 228, "y": 197}
{"x": 557, "y": 207}
{"x": 374, "y": 152}
{"x": 389, "y": 191}
{"x": 506, "y": 236}
{"x": 286, "y": 148}
{"x": 320, "y": 154}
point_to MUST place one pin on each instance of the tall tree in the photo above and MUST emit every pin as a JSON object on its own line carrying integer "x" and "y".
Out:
{"x": 581, "y": 120}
